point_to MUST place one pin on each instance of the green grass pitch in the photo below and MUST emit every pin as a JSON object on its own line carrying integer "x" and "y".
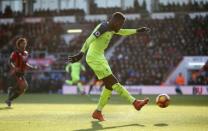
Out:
{"x": 43, "y": 112}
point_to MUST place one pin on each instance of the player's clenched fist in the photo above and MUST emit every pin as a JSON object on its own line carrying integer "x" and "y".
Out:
{"x": 75, "y": 58}
{"x": 143, "y": 29}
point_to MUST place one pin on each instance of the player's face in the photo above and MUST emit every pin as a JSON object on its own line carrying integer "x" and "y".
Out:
{"x": 23, "y": 45}
{"x": 117, "y": 24}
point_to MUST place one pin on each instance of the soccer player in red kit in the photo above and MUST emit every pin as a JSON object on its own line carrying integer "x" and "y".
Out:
{"x": 18, "y": 65}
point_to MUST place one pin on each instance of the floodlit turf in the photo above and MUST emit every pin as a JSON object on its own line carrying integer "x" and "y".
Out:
{"x": 35, "y": 112}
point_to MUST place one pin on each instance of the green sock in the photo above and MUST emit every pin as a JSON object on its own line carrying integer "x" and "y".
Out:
{"x": 123, "y": 92}
{"x": 104, "y": 97}
{"x": 69, "y": 82}
{"x": 79, "y": 85}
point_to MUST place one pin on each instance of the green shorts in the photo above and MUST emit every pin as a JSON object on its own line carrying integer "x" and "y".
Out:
{"x": 100, "y": 67}
{"x": 75, "y": 77}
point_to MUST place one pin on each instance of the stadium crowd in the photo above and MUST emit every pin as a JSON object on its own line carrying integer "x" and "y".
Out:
{"x": 44, "y": 40}
{"x": 8, "y": 13}
{"x": 191, "y": 6}
{"x": 94, "y": 9}
{"x": 141, "y": 59}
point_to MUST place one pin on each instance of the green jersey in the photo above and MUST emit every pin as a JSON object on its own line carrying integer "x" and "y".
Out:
{"x": 99, "y": 40}
{"x": 95, "y": 46}
{"x": 76, "y": 68}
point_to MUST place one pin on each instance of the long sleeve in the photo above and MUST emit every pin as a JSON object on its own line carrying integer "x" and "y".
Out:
{"x": 29, "y": 66}
{"x": 97, "y": 32}
{"x": 67, "y": 67}
{"x": 87, "y": 43}
{"x": 126, "y": 32}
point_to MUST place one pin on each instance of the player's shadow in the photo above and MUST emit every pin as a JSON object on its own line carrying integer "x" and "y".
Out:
{"x": 161, "y": 124}
{"x": 97, "y": 126}
{"x": 5, "y": 108}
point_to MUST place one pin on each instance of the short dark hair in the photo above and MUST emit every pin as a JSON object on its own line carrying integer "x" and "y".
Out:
{"x": 118, "y": 15}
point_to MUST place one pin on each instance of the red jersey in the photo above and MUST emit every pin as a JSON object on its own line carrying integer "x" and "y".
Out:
{"x": 19, "y": 59}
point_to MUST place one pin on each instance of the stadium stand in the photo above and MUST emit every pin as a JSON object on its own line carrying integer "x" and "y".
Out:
{"x": 147, "y": 60}
{"x": 140, "y": 60}
{"x": 191, "y": 6}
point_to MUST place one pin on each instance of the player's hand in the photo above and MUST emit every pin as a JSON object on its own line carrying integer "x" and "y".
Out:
{"x": 35, "y": 67}
{"x": 75, "y": 58}
{"x": 143, "y": 30}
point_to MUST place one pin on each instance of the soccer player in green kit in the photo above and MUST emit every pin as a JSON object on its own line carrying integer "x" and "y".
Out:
{"x": 94, "y": 48}
{"x": 75, "y": 69}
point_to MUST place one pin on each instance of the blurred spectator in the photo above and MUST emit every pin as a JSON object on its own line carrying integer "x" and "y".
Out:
{"x": 180, "y": 81}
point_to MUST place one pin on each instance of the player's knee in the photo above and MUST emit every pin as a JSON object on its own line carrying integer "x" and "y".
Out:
{"x": 23, "y": 87}
{"x": 109, "y": 87}
{"x": 109, "y": 82}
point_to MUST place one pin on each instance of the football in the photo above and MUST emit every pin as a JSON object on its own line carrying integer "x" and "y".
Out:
{"x": 163, "y": 100}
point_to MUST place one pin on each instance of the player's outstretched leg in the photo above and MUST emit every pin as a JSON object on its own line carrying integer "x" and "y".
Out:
{"x": 112, "y": 84}
{"x": 138, "y": 104}
{"x": 104, "y": 98}
{"x": 123, "y": 92}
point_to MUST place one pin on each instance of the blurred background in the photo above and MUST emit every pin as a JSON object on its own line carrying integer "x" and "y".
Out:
{"x": 165, "y": 60}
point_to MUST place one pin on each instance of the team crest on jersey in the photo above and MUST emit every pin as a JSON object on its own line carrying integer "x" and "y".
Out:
{"x": 97, "y": 33}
